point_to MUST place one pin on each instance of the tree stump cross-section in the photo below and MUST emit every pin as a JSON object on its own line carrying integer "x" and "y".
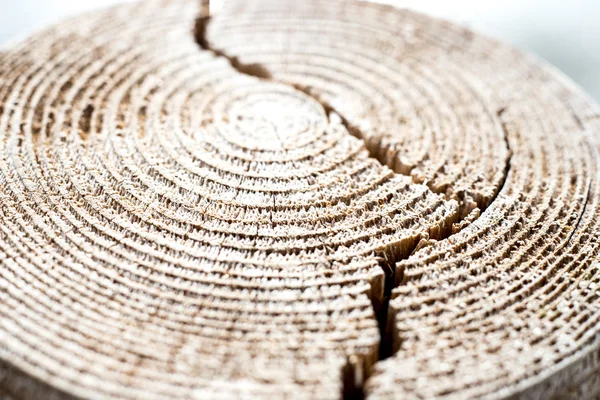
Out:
{"x": 315, "y": 199}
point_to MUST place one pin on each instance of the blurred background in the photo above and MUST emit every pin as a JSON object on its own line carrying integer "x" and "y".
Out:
{"x": 565, "y": 33}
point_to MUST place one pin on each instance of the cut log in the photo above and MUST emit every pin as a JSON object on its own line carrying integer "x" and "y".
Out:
{"x": 314, "y": 199}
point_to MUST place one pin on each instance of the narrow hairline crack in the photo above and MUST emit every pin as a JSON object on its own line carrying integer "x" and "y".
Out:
{"x": 389, "y": 256}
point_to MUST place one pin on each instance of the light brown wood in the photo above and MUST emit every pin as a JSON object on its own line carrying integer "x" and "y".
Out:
{"x": 316, "y": 199}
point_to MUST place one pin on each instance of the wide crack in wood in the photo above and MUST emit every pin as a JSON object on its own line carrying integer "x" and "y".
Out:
{"x": 392, "y": 254}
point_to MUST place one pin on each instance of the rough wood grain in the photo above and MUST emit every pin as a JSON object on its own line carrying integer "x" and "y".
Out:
{"x": 308, "y": 199}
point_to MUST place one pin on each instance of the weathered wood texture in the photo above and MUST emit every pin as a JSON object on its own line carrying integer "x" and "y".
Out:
{"x": 224, "y": 208}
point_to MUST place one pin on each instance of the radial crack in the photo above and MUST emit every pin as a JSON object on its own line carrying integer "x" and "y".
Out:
{"x": 255, "y": 70}
{"x": 393, "y": 253}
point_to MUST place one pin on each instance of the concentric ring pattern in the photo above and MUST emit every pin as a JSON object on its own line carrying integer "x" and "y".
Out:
{"x": 171, "y": 227}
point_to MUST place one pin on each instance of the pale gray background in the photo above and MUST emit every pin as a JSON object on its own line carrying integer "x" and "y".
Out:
{"x": 564, "y": 32}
